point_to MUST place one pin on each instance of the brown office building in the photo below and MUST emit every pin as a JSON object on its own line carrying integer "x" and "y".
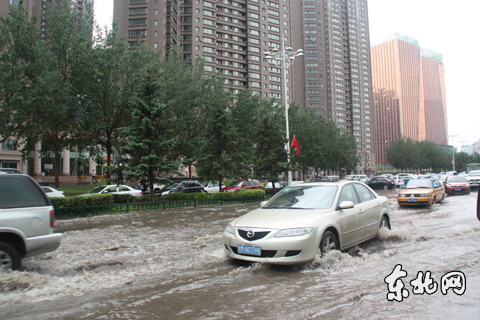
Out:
{"x": 409, "y": 91}
{"x": 333, "y": 78}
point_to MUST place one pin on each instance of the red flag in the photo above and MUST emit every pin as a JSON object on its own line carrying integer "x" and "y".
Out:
{"x": 295, "y": 144}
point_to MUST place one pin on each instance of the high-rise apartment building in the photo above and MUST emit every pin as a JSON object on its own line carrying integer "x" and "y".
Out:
{"x": 333, "y": 78}
{"x": 336, "y": 78}
{"x": 409, "y": 92}
{"x": 38, "y": 8}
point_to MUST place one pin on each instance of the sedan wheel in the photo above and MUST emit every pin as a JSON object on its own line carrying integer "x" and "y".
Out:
{"x": 328, "y": 243}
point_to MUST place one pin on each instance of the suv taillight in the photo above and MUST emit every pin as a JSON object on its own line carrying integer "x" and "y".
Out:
{"x": 52, "y": 219}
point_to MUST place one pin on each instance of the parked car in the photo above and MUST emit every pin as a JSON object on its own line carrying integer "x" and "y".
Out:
{"x": 381, "y": 183}
{"x": 235, "y": 186}
{"x": 191, "y": 186}
{"x": 473, "y": 178}
{"x": 52, "y": 192}
{"x": 158, "y": 185}
{"x": 305, "y": 219}
{"x": 27, "y": 220}
{"x": 357, "y": 177}
{"x": 269, "y": 185}
{"x": 406, "y": 177}
{"x": 457, "y": 185}
{"x": 213, "y": 186}
{"x": 330, "y": 178}
{"x": 115, "y": 189}
{"x": 425, "y": 191}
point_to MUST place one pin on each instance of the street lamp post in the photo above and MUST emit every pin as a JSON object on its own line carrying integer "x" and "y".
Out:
{"x": 284, "y": 59}
{"x": 453, "y": 152}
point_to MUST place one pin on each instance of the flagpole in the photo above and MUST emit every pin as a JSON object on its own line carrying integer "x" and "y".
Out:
{"x": 283, "y": 60}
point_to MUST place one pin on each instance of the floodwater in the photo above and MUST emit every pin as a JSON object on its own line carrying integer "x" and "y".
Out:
{"x": 170, "y": 265}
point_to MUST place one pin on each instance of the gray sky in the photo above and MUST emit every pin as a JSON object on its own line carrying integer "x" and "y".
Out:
{"x": 445, "y": 26}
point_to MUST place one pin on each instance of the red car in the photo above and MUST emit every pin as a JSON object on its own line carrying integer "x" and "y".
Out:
{"x": 456, "y": 185}
{"x": 242, "y": 184}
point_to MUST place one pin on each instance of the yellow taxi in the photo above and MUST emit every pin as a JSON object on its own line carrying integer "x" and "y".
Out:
{"x": 421, "y": 191}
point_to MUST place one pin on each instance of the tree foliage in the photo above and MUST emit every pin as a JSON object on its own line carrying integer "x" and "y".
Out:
{"x": 416, "y": 155}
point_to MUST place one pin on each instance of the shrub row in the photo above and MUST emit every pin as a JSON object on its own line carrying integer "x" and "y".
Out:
{"x": 106, "y": 199}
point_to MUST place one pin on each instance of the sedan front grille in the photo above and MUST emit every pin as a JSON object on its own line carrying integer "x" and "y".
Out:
{"x": 252, "y": 235}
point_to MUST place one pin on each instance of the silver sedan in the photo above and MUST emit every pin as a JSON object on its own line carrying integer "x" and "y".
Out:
{"x": 307, "y": 219}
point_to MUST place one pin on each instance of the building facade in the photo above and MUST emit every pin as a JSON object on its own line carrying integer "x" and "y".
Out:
{"x": 333, "y": 78}
{"x": 409, "y": 94}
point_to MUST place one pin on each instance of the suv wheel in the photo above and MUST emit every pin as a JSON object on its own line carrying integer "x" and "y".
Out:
{"x": 9, "y": 257}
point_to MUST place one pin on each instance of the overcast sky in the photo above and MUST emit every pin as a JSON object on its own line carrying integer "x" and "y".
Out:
{"x": 445, "y": 26}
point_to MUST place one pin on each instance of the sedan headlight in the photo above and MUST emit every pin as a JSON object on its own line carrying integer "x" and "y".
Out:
{"x": 230, "y": 229}
{"x": 425, "y": 195}
{"x": 401, "y": 195}
{"x": 293, "y": 232}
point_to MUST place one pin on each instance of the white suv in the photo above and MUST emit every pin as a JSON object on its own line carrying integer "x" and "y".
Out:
{"x": 26, "y": 220}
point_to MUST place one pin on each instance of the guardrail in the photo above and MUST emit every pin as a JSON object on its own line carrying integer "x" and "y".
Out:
{"x": 84, "y": 210}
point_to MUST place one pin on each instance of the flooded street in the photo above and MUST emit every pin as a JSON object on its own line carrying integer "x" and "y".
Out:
{"x": 171, "y": 265}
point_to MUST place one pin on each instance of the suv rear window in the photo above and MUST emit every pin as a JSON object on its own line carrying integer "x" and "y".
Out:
{"x": 17, "y": 191}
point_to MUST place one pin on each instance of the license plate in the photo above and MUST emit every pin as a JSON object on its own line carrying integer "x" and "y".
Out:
{"x": 254, "y": 251}
{"x": 458, "y": 189}
{"x": 412, "y": 200}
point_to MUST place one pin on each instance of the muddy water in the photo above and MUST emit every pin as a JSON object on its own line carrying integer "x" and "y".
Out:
{"x": 171, "y": 265}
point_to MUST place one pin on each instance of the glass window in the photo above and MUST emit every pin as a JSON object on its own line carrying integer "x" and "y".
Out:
{"x": 20, "y": 191}
{"x": 364, "y": 193}
{"x": 9, "y": 145}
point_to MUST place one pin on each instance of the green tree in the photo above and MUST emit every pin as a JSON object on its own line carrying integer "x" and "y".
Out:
{"x": 218, "y": 154}
{"x": 52, "y": 108}
{"x": 151, "y": 131}
{"x": 185, "y": 96}
{"x": 270, "y": 156}
{"x": 22, "y": 63}
{"x": 107, "y": 90}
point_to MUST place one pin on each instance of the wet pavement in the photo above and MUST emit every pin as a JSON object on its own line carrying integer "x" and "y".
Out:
{"x": 171, "y": 265}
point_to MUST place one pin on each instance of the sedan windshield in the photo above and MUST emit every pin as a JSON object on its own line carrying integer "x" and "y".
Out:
{"x": 304, "y": 197}
{"x": 456, "y": 179}
{"x": 419, "y": 183}
{"x": 235, "y": 184}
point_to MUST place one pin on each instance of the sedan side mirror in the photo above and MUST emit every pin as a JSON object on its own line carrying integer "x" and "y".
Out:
{"x": 346, "y": 205}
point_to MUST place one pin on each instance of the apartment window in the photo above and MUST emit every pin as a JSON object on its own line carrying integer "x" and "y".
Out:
{"x": 133, "y": 11}
{"x": 137, "y": 33}
{"x": 207, "y": 31}
{"x": 208, "y": 13}
{"x": 137, "y": 22}
{"x": 9, "y": 145}
{"x": 208, "y": 22}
